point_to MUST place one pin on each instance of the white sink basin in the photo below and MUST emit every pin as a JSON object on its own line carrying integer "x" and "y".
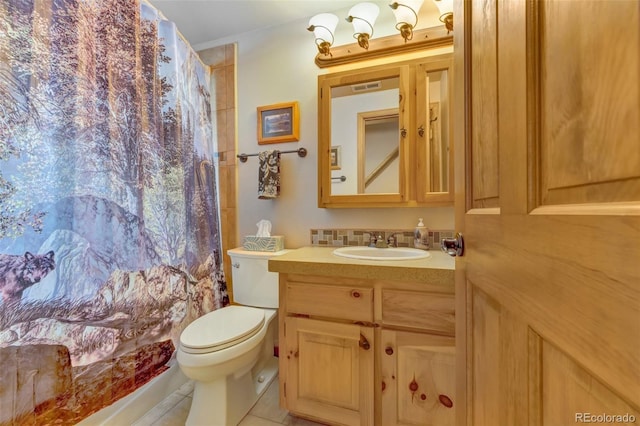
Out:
{"x": 372, "y": 253}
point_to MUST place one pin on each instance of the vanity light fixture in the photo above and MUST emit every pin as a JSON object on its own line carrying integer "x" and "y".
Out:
{"x": 323, "y": 26}
{"x": 406, "y": 13}
{"x": 446, "y": 13}
{"x": 363, "y": 16}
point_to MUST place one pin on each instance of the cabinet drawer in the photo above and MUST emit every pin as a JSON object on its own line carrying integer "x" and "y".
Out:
{"x": 428, "y": 311}
{"x": 340, "y": 302}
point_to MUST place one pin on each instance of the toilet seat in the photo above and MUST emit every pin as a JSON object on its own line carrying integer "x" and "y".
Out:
{"x": 221, "y": 329}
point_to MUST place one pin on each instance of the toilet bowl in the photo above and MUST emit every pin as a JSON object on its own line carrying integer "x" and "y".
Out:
{"x": 229, "y": 353}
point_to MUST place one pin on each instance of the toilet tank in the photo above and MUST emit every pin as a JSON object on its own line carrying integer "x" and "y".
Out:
{"x": 253, "y": 284}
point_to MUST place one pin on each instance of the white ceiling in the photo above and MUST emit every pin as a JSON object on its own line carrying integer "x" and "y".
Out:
{"x": 202, "y": 21}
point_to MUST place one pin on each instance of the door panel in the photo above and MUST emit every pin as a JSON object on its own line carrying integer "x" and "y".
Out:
{"x": 589, "y": 117}
{"x": 484, "y": 105}
{"x": 551, "y": 272}
{"x": 548, "y": 290}
{"x": 570, "y": 393}
{"x": 500, "y": 346}
{"x": 486, "y": 359}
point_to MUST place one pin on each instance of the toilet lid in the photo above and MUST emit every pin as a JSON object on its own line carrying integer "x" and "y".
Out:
{"x": 222, "y": 328}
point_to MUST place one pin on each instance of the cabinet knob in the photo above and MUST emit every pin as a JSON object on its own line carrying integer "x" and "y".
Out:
{"x": 403, "y": 132}
{"x": 421, "y": 131}
{"x": 384, "y": 386}
{"x": 355, "y": 293}
{"x": 388, "y": 350}
{"x": 364, "y": 343}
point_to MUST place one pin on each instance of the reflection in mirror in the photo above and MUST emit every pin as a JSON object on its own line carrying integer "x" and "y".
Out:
{"x": 438, "y": 135}
{"x": 365, "y": 127}
{"x": 378, "y": 150}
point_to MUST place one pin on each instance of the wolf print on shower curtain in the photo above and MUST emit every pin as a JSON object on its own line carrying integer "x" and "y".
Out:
{"x": 109, "y": 236}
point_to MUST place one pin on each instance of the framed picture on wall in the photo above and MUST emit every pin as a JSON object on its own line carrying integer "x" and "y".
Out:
{"x": 278, "y": 123}
{"x": 336, "y": 157}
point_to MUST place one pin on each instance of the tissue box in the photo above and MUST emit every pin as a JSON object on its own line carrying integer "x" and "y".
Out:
{"x": 272, "y": 243}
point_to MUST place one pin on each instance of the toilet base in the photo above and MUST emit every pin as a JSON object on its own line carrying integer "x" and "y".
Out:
{"x": 234, "y": 396}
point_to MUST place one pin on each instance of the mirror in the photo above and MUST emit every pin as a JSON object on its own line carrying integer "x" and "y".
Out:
{"x": 384, "y": 135}
{"x": 438, "y": 134}
{"x": 378, "y": 151}
{"x": 362, "y": 153}
{"x": 365, "y": 132}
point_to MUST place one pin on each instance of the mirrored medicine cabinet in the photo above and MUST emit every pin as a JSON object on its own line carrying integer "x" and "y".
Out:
{"x": 384, "y": 135}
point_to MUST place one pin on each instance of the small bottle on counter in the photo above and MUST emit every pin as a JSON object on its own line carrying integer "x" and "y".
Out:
{"x": 421, "y": 236}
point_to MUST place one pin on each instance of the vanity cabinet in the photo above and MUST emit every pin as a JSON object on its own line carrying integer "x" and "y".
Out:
{"x": 366, "y": 351}
{"x": 417, "y": 378}
{"x": 384, "y": 135}
{"x": 330, "y": 370}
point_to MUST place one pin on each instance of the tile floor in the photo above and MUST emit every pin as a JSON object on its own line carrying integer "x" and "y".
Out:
{"x": 174, "y": 409}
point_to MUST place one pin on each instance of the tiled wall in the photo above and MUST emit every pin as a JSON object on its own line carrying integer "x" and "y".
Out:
{"x": 360, "y": 237}
{"x": 222, "y": 60}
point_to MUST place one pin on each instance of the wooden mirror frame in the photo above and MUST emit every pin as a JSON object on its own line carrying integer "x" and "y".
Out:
{"x": 413, "y": 151}
{"x": 325, "y": 83}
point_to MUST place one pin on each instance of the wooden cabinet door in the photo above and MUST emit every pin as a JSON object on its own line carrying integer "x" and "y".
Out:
{"x": 329, "y": 371}
{"x": 418, "y": 379}
{"x": 339, "y": 105}
{"x": 547, "y": 114}
{"x": 434, "y": 132}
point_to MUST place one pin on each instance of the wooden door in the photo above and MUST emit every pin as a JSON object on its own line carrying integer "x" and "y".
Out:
{"x": 418, "y": 379}
{"x": 330, "y": 371}
{"x": 548, "y": 201}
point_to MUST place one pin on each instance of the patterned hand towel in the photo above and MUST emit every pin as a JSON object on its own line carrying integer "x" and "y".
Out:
{"x": 269, "y": 174}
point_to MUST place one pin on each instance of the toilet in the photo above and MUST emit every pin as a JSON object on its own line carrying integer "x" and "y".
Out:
{"x": 229, "y": 353}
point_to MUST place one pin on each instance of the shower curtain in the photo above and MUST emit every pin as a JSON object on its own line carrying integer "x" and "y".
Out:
{"x": 109, "y": 231}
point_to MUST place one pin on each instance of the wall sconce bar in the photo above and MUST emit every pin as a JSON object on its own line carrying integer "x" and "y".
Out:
{"x": 427, "y": 38}
{"x": 446, "y": 12}
{"x": 406, "y": 14}
{"x": 323, "y": 26}
{"x": 363, "y": 17}
{"x": 302, "y": 152}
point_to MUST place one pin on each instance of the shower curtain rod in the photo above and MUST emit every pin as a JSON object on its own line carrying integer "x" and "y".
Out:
{"x": 302, "y": 152}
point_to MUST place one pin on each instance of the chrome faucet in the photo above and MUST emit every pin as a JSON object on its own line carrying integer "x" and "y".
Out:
{"x": 372, "y": 239}
{"x": 392, "y": 241}
{"x": 380, "y": 242}
{"x": 376, "y": 241}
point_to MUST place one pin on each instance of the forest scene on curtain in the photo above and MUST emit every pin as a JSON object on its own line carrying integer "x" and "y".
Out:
{"x": 109, "y": 236}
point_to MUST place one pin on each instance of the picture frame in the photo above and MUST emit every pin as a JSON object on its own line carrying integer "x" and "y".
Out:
{"x": 335, "y": 157}
{"x": 278, "y": 123}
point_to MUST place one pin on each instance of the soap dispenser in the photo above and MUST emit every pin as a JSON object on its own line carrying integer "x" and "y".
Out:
{"x": 421, "y": 236}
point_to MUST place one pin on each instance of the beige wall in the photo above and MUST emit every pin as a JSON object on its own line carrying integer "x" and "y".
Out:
{"x": 276, "y": 66}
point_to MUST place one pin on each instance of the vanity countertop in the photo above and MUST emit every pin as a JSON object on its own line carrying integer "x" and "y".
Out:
{"x": 317, "y": 260}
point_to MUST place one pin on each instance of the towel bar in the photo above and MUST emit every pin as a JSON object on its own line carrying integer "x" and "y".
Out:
{"x": 302, "y": 152}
